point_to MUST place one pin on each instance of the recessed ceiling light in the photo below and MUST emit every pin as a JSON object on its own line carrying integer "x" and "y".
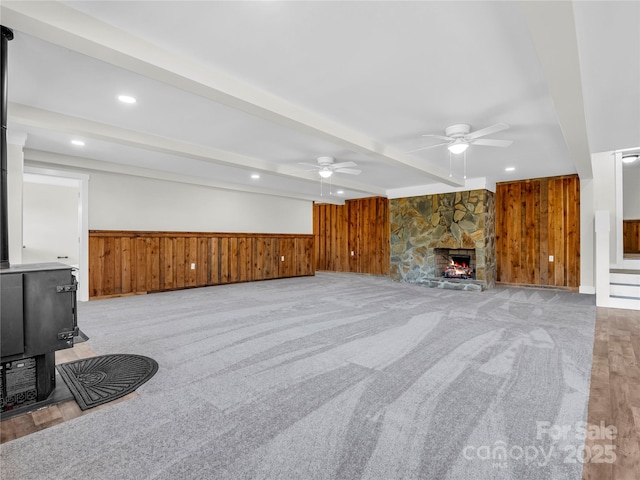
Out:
{"x": 78, "y": 143}
{"x": 255, "y": 176}
{"x": 509, "y": 169}
{"x": 630, "y": 158}
{"x": 126, "y": 99}
{"x": 340, "y": 192}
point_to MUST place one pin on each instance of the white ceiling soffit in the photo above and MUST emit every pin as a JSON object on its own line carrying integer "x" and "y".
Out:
{"x": 609, "y": 47}
{"x": 33, "y": 117}
{"x": 36, "y": 158}
{"x": 67, "y": 27}
{"x": 552, "y": 28}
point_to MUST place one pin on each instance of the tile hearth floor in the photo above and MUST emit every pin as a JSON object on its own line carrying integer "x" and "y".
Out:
{"x": 46, "y": 417}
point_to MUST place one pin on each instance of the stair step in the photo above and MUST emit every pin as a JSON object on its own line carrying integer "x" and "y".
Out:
{"x": 631, "y": 291}
{"x": 624, "y": 278}
{"x": 626, "y": 303}
{"x": 632, "y": 271}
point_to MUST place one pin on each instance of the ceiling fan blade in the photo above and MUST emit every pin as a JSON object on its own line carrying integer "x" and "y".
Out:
{"x": 498, "y": 127}
{"x": 441, "y": 137}
{"x": 309, "y": 165}
{"x": 343, "y": 165}
{"x": 430, "y": 146}
{"x": 490, "y": 142}
{"x": 350, "y": 171}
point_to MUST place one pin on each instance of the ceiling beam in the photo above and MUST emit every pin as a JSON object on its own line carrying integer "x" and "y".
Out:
{"x": 553, "y": 31}
{"x": 67, "y": 27}
{"x": 35, "y": 117}
{"x": 38, "y": 158}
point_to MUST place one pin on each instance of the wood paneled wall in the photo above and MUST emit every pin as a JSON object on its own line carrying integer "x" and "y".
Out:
{"x": 353, "y": 237}
{"x": 125, "y": 262}
{"x": 631, "y": 236}
{"x": 536, "y": 219}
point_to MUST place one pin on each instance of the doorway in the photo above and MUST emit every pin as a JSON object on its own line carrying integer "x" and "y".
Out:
{"x": 55, "y": 221}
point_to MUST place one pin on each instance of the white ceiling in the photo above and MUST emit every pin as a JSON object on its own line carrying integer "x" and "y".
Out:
{"x": 226, "y": 89}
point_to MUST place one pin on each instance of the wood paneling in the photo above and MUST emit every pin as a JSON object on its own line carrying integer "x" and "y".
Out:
{"x": 536, "y": 219}
{"x": 360, "y": 227}
{"x": 128, "y": 262}
{"x": 631, "y": 236}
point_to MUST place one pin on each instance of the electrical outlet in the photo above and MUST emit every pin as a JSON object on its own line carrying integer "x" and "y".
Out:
{"x": 282, "y": 258}
{"x": 551, "y": 258}
{"x": 193, "y": 266}
{"x": 353, "y": 253}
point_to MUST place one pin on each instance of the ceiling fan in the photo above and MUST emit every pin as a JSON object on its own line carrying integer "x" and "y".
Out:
{"x": 459, "y": 136}
{"x": 326, "y": 167}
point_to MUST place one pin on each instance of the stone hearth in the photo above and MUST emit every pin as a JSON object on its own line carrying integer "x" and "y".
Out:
{"x": 458, "y": 220}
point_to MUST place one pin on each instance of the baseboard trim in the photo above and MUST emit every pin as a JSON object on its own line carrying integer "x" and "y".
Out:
{"x": 587, "y": 289}
{"x": 540, "y": 287}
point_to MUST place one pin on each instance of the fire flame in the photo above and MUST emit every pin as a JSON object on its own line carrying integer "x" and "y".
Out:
{"x": 455, "y": 269}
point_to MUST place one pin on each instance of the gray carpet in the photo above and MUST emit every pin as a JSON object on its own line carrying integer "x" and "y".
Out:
{"x": 335, "y": 376}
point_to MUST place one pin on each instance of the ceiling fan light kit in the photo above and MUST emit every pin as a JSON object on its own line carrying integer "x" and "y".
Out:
{"x": 458, "y": 137}
{"x": 326, "y": 167}
{"x": 458, "y": 147}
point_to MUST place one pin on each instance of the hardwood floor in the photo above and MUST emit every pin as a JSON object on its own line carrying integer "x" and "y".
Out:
{"x": 614, "y": 399}
{"x": 27, "y": 423}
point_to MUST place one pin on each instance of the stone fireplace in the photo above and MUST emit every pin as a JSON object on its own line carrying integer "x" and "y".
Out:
{"x": 445, "y": 240}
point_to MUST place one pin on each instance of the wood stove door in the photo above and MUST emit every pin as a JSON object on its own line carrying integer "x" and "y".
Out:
{"x": 49, "y": 310}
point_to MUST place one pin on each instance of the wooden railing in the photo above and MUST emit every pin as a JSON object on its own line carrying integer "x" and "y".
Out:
{"x": 130, "y": 262}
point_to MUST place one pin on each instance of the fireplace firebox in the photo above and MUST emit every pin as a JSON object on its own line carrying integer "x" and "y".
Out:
{"x": 456, "y": 263}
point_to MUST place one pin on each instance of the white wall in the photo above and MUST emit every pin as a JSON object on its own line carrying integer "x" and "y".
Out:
{"x": 50, "y": 223}
{"x": 15, "y": 168}
{"x": 587, "y": 237}
{"x": 604, "y": 193}
{"x": 631, "y": 193}
{"x": 121, "y": 202}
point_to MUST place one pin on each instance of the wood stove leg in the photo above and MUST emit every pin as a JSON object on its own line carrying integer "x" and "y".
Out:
{"x": 46, "y": 374}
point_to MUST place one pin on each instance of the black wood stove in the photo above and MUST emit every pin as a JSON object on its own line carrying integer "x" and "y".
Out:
{"x": 38, "y": 310}
{"x": 37, "y": 304}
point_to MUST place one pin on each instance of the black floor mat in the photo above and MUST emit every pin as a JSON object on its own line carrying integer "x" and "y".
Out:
{"x": 98, "y": 380}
